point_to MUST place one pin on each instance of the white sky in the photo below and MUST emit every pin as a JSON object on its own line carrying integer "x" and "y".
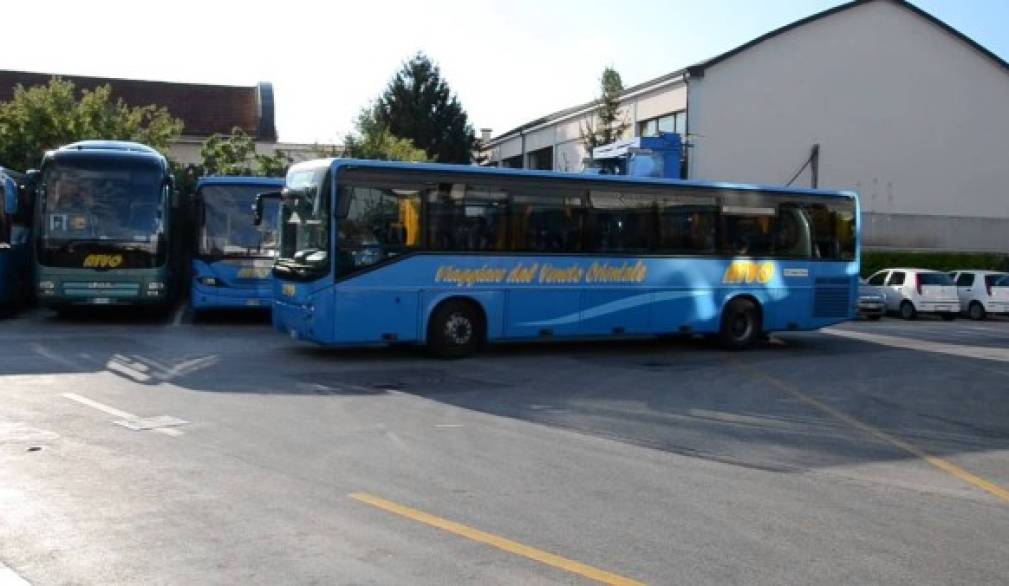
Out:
{"x": 508, "y": 61}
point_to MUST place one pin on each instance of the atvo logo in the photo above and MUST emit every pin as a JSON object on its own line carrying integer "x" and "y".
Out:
{"x": 103, "y": 261}
{"x": 746, "y": 271}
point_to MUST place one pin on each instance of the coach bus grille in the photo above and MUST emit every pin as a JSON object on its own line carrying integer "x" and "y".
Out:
{"x": 832, "y": 297}
{"x": 113, "y": 289}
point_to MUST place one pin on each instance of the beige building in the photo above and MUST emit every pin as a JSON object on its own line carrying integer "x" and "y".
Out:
{"x": 874, "y": 95}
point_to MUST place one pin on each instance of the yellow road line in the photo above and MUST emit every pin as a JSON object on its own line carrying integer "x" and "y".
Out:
{"x": 997, "y": 491}
{"x": 492, "y": 540}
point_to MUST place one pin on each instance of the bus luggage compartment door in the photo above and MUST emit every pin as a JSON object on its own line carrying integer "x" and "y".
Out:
{"x": 374, "y": 315}
{"x": 542, "y": 313}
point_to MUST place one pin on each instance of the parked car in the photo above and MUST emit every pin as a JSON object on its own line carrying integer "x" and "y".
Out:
{"x": 909, "y": 292}
{"x": 871, "y": 301}
{"x": 975, "y": 288}
{"x": 1000, "y": 296}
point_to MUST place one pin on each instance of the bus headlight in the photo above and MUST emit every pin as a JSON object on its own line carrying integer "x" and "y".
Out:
{"x": 47, "y": 285}
{"x": 208, "y": 281}
{"x": 155, "y": 285}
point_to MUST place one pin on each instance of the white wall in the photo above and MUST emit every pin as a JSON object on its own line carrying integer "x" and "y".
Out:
{"x": 907, "y": 114}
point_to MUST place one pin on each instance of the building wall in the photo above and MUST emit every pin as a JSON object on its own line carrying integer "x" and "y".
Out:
{"x": 905, "y": 113}
{"x": 564, "y": 133}
{"x": 186, "y": 149}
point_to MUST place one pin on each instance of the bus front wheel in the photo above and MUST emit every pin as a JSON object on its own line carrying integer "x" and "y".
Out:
{"x": 741, "y": 324}
{"x": 456, "y": 330}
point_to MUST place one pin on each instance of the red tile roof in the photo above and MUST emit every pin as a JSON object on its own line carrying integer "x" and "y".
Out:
{"x": 205, "y": 109}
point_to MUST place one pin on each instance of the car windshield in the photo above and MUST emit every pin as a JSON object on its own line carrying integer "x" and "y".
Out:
{"x": 103, "y": 198}
{"x": 227, "y": 229}
{"x": 934, "y": 279}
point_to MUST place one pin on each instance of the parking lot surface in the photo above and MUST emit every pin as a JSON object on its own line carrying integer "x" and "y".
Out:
{"x": 140, "y": 450}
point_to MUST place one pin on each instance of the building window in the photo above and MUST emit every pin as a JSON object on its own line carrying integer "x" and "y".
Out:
{"x": 542, "y": 159}
{"x": 512, "y": 162}
{"x": 675, "y": 122}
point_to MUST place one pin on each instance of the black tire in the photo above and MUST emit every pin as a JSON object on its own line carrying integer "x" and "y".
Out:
{"x": 456, "y": 330}
{"x": 741, "y": 325}
{"x": 948, "y": 316}
{"x": 907, "y": 311}
{"x": 976, "y": 311}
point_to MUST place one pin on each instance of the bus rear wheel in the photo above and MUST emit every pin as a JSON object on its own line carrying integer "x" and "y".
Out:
{"x": 741, "y": 325}
{"x": 456, "y": 330}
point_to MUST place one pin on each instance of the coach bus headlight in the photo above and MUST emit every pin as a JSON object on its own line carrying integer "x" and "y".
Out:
{"x": 47, "y": 285}
{"x": 155, "y": 285}
{"x": 208, "y": 281}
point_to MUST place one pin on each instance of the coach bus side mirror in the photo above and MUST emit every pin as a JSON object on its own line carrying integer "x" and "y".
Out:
{"x": 257, "y": 207}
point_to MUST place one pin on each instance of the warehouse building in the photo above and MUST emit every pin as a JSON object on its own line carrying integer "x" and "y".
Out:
{"x": 204, "y": 109}
{"x": 873, "y": 95}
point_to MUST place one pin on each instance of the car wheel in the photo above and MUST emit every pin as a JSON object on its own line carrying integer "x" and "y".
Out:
{"x": 456, "y": 330}
{"x": 741, "y": 325}
{"x": 907, "y": 310}
{"x": 976, "y": 311}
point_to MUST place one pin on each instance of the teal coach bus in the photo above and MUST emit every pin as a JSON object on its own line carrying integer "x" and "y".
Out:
{"x": 454, "y": 257}
{"x": 103, "y": 226}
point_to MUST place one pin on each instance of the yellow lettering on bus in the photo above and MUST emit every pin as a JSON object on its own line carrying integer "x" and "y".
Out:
{"x": 102, "y": 261}
{"x": 746, "y": 271}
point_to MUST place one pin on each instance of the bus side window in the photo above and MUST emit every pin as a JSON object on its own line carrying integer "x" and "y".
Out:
{"x": 793, "y": 235}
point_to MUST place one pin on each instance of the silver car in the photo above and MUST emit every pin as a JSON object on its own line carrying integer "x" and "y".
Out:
{"x": 871, "y": 302}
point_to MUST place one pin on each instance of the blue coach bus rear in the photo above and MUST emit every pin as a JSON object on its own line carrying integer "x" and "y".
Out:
{"x": 233, "y": 258}
{"x": 15, "y": 241}
{"x": 379, "y": 253}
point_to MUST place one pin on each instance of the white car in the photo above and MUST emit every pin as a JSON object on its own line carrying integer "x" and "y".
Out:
{"x": 976, "y": 290}
{"x": 909, "y": 292}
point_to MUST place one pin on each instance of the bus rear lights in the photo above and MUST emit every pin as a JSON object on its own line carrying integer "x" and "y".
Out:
{"x": 47, "y": 285}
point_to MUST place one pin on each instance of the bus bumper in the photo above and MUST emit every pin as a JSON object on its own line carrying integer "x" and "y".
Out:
{"x": 208, "y": 298}
{"x": 57, "y": 289}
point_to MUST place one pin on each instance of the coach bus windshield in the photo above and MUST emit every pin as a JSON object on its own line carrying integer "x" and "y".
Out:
{"x": 226, "y": 227}
{"x": 109, "y": 203}
{"x": 304, "y": 225}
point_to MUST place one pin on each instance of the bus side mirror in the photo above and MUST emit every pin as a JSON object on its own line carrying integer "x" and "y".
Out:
{"x": 257, "y": 206}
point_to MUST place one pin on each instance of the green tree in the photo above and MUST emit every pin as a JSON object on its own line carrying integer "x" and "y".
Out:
{"x": 236, "y": 154}
{"x": 373, "y": 140}
{"x": 40, "y": 118}
{"x": 419, "y": 105}
{"x": 609, "y": 123}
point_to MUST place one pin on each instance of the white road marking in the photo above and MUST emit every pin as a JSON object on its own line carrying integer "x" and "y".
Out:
{"x": 448, "y": 425}
{"x": 117, "y": 413}
{"x": 9, "y": 577}
{"x": 179, "y": 314}
{"x": 966, "y": 351}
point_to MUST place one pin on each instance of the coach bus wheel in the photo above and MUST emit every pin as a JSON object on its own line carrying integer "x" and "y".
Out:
{"x": 975, "y": 311}
{"x": 907, "y": 310}
{"x": 741, "y": 324}
{"x": 456, "y": 330}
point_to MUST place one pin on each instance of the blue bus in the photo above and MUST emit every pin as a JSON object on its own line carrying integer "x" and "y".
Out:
{"x": 454, "y": 257}
{"x": 15, "y": 241}
{"x": 233, "y": 258}
{"x": 105, "y": 226}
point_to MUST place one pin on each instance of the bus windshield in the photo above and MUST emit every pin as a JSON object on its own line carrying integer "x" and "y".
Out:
{"x": 227, "y": 229}
{"x": 304, "y": 222}
{"x": 96, "y": 205}
{"x": 103, "y": 199}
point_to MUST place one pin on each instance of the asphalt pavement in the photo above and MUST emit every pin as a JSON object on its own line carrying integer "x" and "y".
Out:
{"x": 139, "y": 449}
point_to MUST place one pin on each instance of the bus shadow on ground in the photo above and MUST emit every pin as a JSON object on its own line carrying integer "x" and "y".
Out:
{"x": 685, "y": 397}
